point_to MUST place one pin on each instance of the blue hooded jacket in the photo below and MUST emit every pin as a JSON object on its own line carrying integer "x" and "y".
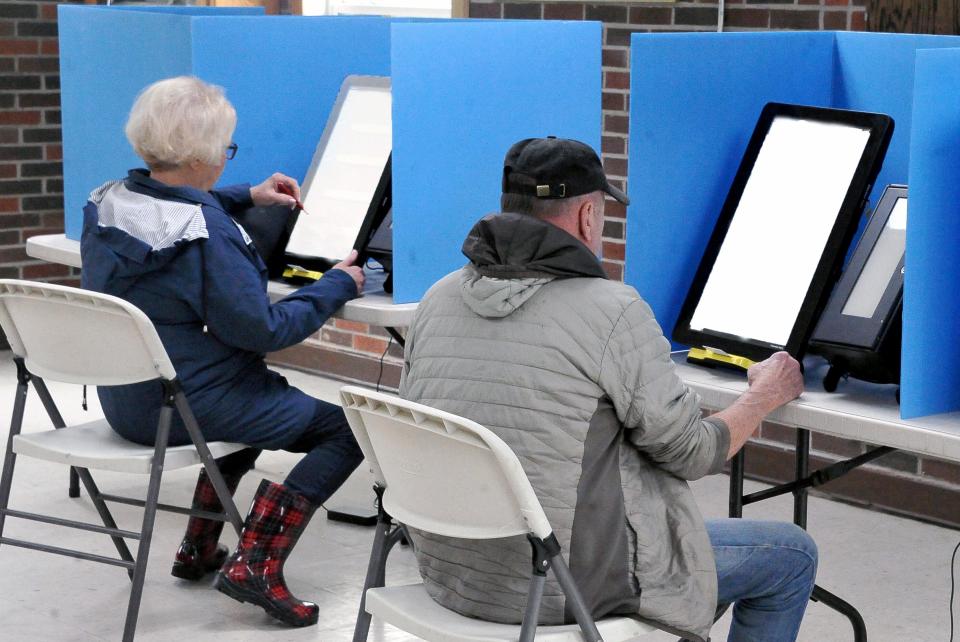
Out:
{"x": 176, "y": 253}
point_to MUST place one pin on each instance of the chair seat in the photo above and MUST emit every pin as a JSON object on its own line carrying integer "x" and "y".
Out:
{"x": 95, "y": 445}
{"x": 411, "y": 609}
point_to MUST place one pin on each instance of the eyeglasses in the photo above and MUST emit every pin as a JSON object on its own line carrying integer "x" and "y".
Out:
{"x": 232, "y": 150}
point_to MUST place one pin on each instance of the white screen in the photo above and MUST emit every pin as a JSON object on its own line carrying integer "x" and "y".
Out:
{"x": 883, "y": 260}
{"x": 777, "y": 235}
{"x": 345, "y": 170}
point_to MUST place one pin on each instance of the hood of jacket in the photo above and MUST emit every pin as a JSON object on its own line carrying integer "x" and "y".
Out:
{"x": 512, "y": 256}
{"x": 136, "y": 226}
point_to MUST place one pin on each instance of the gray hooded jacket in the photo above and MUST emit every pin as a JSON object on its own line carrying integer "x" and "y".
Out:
{"x": 572, "y": 370}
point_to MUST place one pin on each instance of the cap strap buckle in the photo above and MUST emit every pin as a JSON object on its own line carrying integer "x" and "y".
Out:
{"x": 545, "y": 191}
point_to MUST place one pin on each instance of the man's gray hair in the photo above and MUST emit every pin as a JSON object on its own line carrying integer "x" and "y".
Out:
{"x": 541, "y": 207}
{"x": 179, "y": 120}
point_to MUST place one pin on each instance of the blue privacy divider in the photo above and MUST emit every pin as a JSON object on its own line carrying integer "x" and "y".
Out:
{"x": 281, "y": 73}
{"x": 931, "y": 350}
{"x": 694, "y": 101}
{"x": 463, "y": 93}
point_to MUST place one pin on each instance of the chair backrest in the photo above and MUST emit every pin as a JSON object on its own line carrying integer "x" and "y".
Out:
{"x": 442, "y": 473}
{"x": 77, "y": 336}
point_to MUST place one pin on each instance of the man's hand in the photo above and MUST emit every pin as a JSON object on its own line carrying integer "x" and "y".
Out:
{"x": 776, "y": 380}
{"x": 267, "y": 192}
{"x": 771, "y": 384}
{"x": 355, "y": 271}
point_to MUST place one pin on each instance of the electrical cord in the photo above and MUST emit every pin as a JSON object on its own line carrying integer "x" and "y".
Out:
{"x": 382, "y": 357}
{"x": 953, "y": 585}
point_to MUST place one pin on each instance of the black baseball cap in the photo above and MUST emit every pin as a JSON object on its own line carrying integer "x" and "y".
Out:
{"x": 554, "y": 167}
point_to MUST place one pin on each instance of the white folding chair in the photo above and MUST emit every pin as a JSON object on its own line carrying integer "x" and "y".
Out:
{"x": 76, "y": 336}
{"x": 444, "y": 474}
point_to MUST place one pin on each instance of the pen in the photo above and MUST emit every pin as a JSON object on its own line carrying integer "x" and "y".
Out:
{"x": 283, "y": 188}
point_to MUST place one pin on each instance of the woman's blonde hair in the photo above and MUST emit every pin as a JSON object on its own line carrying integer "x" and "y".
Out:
{"x": 178, "y": 120}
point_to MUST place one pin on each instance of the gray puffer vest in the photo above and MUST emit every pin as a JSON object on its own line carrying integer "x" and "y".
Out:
{"x": 572, "y": 370}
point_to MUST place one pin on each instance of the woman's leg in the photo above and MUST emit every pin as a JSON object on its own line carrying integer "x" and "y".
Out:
{"x": 767, "y": 570}
{"x": 331, "y": 451}
{"x": 281, "y": 512}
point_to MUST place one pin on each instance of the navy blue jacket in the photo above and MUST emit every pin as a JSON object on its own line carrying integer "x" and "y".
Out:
{"x": 206, "y": 294}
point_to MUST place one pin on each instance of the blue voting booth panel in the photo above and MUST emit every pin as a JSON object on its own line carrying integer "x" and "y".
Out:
{"x": 462, "y": 94}
{"x": 281, "y": 73}
{"x": 931, "y": 350}
{"x": 694, "y": 101}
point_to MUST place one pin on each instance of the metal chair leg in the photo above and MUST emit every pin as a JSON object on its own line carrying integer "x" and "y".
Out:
{"x": 9, "y": 457}
{"x": 149, "y": 516}
{"x": 376, "y": 569}
{"x": 575, "y": 600}
{"x": 531, "y": 612}
{"x": 213, "y": 471}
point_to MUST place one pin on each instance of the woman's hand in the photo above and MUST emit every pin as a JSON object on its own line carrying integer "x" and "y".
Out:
{"x": 266, "y": 193}
{"x": 355, "y": 271}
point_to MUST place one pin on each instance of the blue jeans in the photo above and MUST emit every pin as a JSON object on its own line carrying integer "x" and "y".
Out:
{"x": 331, "y": 451}
{"x": 767, "y": 571}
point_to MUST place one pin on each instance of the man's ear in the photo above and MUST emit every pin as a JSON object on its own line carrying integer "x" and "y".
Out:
{"x": 585, "y": 221}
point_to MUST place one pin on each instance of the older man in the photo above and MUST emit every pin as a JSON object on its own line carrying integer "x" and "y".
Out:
{"x": 572, "y": 370}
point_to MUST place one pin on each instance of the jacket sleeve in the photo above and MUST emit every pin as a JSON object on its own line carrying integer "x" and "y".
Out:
{"x": 238, "y": 311}
{"x": 234, "y": 197}
{"x": 660, "y": 413}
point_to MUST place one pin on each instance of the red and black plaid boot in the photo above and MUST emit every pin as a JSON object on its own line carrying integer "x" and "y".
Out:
{"x": 199, "y": 552}
{"x": 254, "y": 573}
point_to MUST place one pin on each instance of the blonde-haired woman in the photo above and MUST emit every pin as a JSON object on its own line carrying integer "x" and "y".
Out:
{"x": 163, "y": 239}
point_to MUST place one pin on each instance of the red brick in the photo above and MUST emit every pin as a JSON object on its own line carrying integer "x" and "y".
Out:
{"x": 837, "y": 3}
{"x": 45, "y": 270}
{"x": 614, "y": 144}
{"x": 16, "y": 47}
{"x": 9, "y": 205}
{"x": 48, "y": 12}
{"x": 651, "y": 15}
{"x": 747, "y": 18}
{"x": 53, "y": 152}
{"x": 38, "y": 64}
{"x": 942, "y": 470}
{"x": 618, "y": 124}
{"x": 13, "y": 255}
{"x": 835, "y": 20}
{"x": 613, "y": 251}
{"x": 10, "y": 237}
{"x": 606, "y": 12}
{"x": 858, "y": 21}
{"x": 8, "y": 171}
{"x": 337, "y": 338}
{"x": 615, "y": 58}
{"x": 615, "y": 209}
{"x": 486, "y": 10}
{"x": 11, "y": 221}
{"x": 515, "y": 10}
{"x": 352, "y": 326}
{"x": 779, "y": 433}
{"x": 53, "y": 219}
{"x": 615, "y": 166}
{"x": 372, "y": 345}
{"x": 614, "y": 270}
{"x": 20, "y": 117}
{"x": 616, "y": 80}
{"x": 613, "y": 101}
{"x": 50, "y": 47}
{"x": 794, "y": 19}
{"x": 563, "y": 11}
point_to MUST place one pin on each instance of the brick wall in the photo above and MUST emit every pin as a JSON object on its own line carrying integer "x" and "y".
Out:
{"x": 31, "y": 173}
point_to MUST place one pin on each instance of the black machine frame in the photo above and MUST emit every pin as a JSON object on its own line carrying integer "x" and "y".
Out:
{"x": 855, "y": 343}
{"x": 881, "y": 130}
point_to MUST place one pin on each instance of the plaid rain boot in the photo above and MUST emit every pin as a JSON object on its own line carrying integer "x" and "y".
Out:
{"x": 199, "y": 552}
{"x": 254, "y": 573}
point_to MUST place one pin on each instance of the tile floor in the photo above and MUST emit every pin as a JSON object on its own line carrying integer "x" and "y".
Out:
{"x": 896, "y": 571}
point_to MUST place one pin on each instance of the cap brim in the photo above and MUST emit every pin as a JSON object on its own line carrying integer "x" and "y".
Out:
{"x": 617, "y": 194}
